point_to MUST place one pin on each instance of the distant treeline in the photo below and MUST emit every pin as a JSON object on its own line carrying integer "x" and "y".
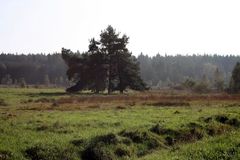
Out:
{"x": 32, "y": 69}
{"x": 171, "y": 70}
{"x": 156, "y": 71}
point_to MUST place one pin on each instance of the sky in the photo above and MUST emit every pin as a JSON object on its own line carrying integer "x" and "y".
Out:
{"x": 154, "y": 26}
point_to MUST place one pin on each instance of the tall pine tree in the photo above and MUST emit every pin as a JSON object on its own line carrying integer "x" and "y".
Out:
{"x": 235, "y": 80}
{"x": 107, "y": 64}
{"x": 97, "y": 67}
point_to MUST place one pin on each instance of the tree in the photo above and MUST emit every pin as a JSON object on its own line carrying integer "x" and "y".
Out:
{"x": 110, "y": 46}
{"x": 202, "y": 86}
{"x": 97, "y": 67}
{"x": 22, "y": 82}
{"x": 123, "y": 68}
{"x": 129, "y": 73}
{"x": 107, "y": 64}
{"x": 78, "y": 70}
{"x": 46, "y": 80}
{"x": 235, "y": 79}
{"x": 218, "y": 80}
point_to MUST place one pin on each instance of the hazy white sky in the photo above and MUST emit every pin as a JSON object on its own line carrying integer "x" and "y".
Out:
{"x": 154, "y": 26}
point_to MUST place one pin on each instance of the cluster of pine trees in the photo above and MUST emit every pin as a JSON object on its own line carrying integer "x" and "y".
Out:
{"x": 157, "y": 71}
{"x": 235, "y": 79}
{"x": 107, "y": 64}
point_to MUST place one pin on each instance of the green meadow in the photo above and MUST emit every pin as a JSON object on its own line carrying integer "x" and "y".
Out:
{"x": 48, "y": 124}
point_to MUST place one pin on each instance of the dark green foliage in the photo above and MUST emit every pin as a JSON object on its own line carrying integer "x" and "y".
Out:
{"x": 123, "y": 68}
{"x": 32, "y": 67}
{"x": 235, "y": 79}
{"x": 97, "y": 67}
{"x": 78, "y": 69}
{"x": 107, "y": 64}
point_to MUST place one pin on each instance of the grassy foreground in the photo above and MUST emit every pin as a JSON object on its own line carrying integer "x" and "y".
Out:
{"x": 48, "y": 124}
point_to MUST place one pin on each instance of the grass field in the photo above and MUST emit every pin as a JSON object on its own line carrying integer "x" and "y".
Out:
{"x": 49, "y": 124}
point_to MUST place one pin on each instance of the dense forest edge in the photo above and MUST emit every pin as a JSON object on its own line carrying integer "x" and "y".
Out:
{"x": 109, "y": 65}
{"x": 157, "y": 71}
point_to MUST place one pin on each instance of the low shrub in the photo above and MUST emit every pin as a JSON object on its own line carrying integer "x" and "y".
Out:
{"x": 144, "y": 141}
{"x": 163, "y": 131}
{"x": 214, "y": 130}
{"x": 97, "y": 151}
{"x": 125, "y": 144}
{"x": 49, "y": 152}
{"x": 234, "y": 122}
{"x": 108, "y": 139}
